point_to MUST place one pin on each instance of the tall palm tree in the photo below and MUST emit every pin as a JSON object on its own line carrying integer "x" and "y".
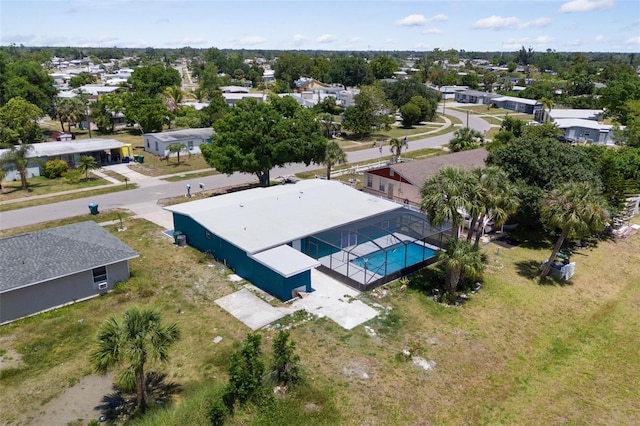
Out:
{"x": 139, "y": 338}
{"x": 17, "y": 158}
{"x": 395, "y": 145}
{"x": 334, "y": 155}
{"x": 547, "y": 105}
{"x": 444, "y": 196}
{"x": 86, "y": 163}
{"x": 493, "y": 197}
{"x": 460, "y": 260}
{"x": 576, "y": 209}
{"x": 199, "y": 94}
{"x": 177, "y": 148}
{"x": 327, "y": 123}
{"x": 173, "y": 97}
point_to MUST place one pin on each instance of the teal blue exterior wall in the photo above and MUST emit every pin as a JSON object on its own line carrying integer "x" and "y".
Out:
{"x": 261, "y": 276}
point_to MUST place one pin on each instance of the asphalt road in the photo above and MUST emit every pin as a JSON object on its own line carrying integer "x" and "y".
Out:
{"x": 150, "y": 194}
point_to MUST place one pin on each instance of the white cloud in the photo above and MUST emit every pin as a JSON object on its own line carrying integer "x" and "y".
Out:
{"x": 326, "y": 38}
{"x": 599, "y": 38}
{"x": 18, "y": 38}
{"x": 421, "y": 46}
{"x": 251, "y": 40}
{"x": 585, "y": 5}
{"x": 432, "y": 31}
{"x": 299, "y": 39}
{"x": 543, "y": 39}
{"x": 499, "y": 23}
{"x": 632, "y": 40}
{"x": 420, "y": 20}
{"x": 100, "y": 41}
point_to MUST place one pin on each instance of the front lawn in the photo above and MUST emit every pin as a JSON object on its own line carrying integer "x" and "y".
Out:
{"x": 40, "y": 185}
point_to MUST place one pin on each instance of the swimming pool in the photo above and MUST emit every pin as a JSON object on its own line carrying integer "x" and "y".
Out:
{"x": 395, "y": 258}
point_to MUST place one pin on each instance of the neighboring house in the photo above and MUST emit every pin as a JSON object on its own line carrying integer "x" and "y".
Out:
{"x": 401, "y": 182}
{"x": 274, "y": 236}
{"x": 523, "y": 105}
{"x": 582, "y": 114}
{"x": 447, "y": 92}
{"x": 309, "y": 84}
{"x": 269, "y": 76}
{"x": 47, "y": 269}
{"x": 580, "y": 130}
{"x": 232, "y": 98}
{"x": 234, "y": 89}
{"x": 474, "y": 97}
{"x": 158, "y": 143}
{"x": 309, "y": 99}
{"x": 105, "y": 151}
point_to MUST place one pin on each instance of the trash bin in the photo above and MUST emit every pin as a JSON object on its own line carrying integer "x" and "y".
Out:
{"x": 176, "y": 234}
{"x": 181, "y": 240}
{"x": 93, "y": 208}
{"x": 125, "y": 159}
{"x": 140, "y": 159}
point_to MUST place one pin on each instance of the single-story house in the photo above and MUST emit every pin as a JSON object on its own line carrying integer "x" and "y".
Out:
{"x": 590, "y": 131}
{"x": 234, "y": 89}
{"x": 158, "y": 143}
{"x": 582, "y": 114}
{"x": 447, "y": 92}
{"x": 105, "y": 151}
{"x": 47, "y": 269}
{"x": 401, "y": 182}
{"x": 306, "y": 84}
{"x": 232, "y": 98}
{"x": 523, "y": 105}
{"x": 474, "y": 97}
{"x": 274, "y": 236}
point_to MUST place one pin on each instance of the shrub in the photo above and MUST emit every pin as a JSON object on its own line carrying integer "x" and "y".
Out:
{"x": 55, "y": 168}
{"x": 73, "y": 176}
{"x": 217, "y": 413}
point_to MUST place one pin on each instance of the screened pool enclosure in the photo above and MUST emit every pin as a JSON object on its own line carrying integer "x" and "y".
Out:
{"x": 374, "y": 251}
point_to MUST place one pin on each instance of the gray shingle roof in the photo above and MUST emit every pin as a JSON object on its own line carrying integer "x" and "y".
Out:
{"x": 418, "y": 171}
{"x": 40, "y": 256}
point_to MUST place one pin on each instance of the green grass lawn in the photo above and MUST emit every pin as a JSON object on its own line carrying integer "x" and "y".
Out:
{"x": 516, "y": 353}
{"x": 40, "y": 185}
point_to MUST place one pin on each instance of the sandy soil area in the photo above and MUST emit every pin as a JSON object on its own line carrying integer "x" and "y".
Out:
{"x": 78, "y": 402}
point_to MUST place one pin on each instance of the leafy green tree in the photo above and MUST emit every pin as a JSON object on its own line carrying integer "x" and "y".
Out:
{"x": 328, "y": 105}
{"x": 27, "y": 80}
{"x": 411, "y": 114}
{"x": 82, "y": 79}
{"x": 371, "y": 111}
{"x": 614, "y": 97}
{"x": 177, "y": 148}
{"x": 54, "y": 168}
{"x": 383, "y": 66}
{"x": 216, "y": 109}
{"x": 153, "y": 80}
{"x": 70, "y": 110}
{"x": 465, "y": 139}
{"x": 576, "y": 209}
{"x": 189, "y": 117}
{"x": 460, "y": 260}
{"x": 284, "y": 360}
{"x": 254, "y": 138}
{"x": 86, "y": 163}
{"x": 150, "y": 113}
{"x": 139, "y": 338}
{"x": 427, "y": 107}
{"x": 19, "y": 122}
{"x": 350, "y": 71}
{"x": 402, "y": 92}
{"x": 470, "y": 79}
{"x": 334, "y": 155}
{"x": 513, "y": 125}
{"x": 290, "y": 67}
{"x": 17, "y": 158}
{"x": 245, "y": 373}
{"x": 444, "y": 196}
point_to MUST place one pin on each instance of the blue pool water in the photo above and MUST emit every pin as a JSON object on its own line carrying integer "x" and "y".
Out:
{"x": 395, "y": 257}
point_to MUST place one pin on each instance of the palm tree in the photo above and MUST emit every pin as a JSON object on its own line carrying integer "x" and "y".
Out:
{"x": 547, "y": 105}
{"x": 139, "y": 338}
{"x": 493, "y": 197}
{"x": 334, "y": 155}
{"x": 177, "y": 148}
{"x": 199, "y": 94}
{"x": 86, "y": 163}
{"x": 444, "y": 196}
{"x": 460, "y": 260}
{"x": 395, "y": 145}
{"x": 576, "y": 209}
{"x": 327, "y": 123}
{"x": 17, "y": 158}
{"x": 465, "y": 139}
{"x": 173, "y": 97}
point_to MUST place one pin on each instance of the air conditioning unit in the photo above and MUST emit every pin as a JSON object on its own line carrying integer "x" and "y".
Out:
{"x": 102, "y": 286}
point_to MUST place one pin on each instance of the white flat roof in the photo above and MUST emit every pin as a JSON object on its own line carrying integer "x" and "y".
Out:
{"x": 262, "y": 218}
{"x": 517, "y": 100}
{"x": 587, "y": 114}
{"x": 285, "y": 260}
{"x": 49, "y": 149}
{"x": 564, "y": 123}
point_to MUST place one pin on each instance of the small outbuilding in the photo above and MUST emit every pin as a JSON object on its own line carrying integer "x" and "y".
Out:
{"x": 48, "y": 269}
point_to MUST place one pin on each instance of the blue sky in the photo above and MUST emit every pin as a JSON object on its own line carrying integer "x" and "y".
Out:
{"x": 504, "y": 25}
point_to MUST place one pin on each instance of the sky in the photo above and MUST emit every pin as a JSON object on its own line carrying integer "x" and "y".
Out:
{"x": 471, "y": 25}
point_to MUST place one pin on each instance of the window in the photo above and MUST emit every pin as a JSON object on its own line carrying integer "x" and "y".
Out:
{"x": 369, "y": 181}
{"x": 381, "y": 187}
{"x": 156, "y": 146}
{"x": 99, "y": 275}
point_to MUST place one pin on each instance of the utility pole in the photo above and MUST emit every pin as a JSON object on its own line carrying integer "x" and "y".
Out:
{"x": 468, "y": 118}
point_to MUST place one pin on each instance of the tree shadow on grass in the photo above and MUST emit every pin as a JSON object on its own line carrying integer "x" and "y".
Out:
{"x": 119, "y": 406}
{"x": 529, "y": 269}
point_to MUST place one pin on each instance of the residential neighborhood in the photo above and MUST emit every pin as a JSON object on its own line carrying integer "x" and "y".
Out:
{"x": 302, "y": 229}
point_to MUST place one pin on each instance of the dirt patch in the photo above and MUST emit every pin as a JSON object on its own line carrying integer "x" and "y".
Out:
{"x": 9, "y": 358}
{"x": 78, "y": 402}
